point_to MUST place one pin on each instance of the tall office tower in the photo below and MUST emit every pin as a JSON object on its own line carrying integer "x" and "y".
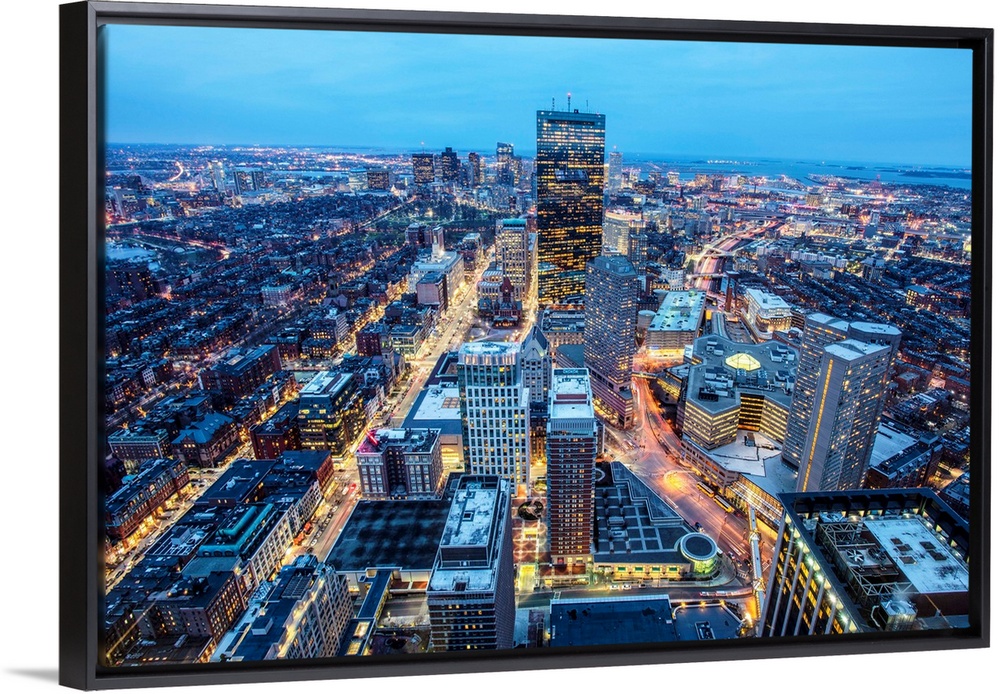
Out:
{"x": 495, "y": 411}
{"x": 423, "y": 168}
{"x": 246, "y": 180}
{"x": 570, "y": 183}
{"x": 844, "y": 417}
{"x": 638, "y": 243}
{"x": 450, "y": 170}
{"x": 505, "y": 163}
{"x": 536, "y": 365}
{"x": 867, "y": 561}
{"x": 512, "y": 254}
{"x": 400, "y": 464}
{"x": 218, "y": 175}
{"x": 821, "y": 330}
{"x": 470, "y": 595}
{"x": 609, "y": 334}
{"x": 571, "y": 452}
{"x": 476, "y": 164}
{"x": 615, "y": 171}
{"x": 305, "y": 615}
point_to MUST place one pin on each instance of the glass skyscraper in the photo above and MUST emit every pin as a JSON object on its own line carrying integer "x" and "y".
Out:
{"x": 570, "y": 178}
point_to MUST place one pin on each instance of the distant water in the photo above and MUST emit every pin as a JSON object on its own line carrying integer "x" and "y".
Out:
{"x": 802, "y": 170}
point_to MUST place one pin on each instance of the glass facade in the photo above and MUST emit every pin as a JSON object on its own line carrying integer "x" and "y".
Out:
{"x": 570, "y": 179}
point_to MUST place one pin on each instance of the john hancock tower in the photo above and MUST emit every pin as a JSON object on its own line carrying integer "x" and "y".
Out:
{"x": 570, "y": 176}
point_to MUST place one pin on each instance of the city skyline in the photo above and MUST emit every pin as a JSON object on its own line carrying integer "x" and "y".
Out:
{"x": 320, "y": 362}
{"x": 492, "y": 391}
{"x": 822, "y": 103}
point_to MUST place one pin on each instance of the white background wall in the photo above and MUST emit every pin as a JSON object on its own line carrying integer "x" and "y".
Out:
{"x": 29, "y": 284}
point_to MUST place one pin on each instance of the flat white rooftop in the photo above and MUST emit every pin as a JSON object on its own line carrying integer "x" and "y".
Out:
{"x": 889, "y": 442}
{"x": 926, "y": 562}
{"x": 851, "y": 350}
{"x": 325, "y": 382}
{"x": 470, "y": 518}
{"x": 570, "y": 395}
{"x": 680, "y": 311}
{"x": 439, "y": 403}
{"x": 747, "y": 460}
{"x": 766, "y": 300}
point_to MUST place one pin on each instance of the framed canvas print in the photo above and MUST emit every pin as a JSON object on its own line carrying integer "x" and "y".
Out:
{"x": 400, "y": 342}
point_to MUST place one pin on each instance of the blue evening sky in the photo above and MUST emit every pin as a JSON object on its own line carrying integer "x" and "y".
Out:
{"x": 195, "y": 85}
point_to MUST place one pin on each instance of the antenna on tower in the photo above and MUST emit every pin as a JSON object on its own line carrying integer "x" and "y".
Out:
{"x": 586, "y": 105}
{"x": 553, "y": 103}
{"x": 568, "y": 98}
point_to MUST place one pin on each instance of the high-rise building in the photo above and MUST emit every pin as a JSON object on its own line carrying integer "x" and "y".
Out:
{"x": 844, "y": 417}
{"x": 512, "y": 254}
{"x": 476, "y": 165}
{"x": 379, "y": 179}
{"x": 571, "y": 446}
{"x": 218, "y": 173}
{"x": 820, "y": 331}
{"x": 450, "y": 170}
{"x": 470, "y": 595}
{"x": 638, "y": 244}
{"x": 616, "y": 230}
{"x": 304, "y": 615}
{"x": 505, "y": 163}
{"x": 423, "y": 168}
{"x": 495, "y": 411}
{"x": 247, "y": 180}
{"x": 615, "y": 171}
{"x": 570, "y": 196}
{"x": 609, "y": 334}
{"x": 536, "y": 365}
{"x": 400, "y": 464}
{"x": 866, "y": 561}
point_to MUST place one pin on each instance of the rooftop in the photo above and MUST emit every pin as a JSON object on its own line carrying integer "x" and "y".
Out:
{"x": 680, "y": 311}
{"x": 325, "y": 383}
{"x": 471, "y": 546}
{"x": 436, "y": 407}
{"x": 723, "y": 370}
{"x": 570, "y": 395}
{"x": 617, "y": 264}
{"x": 633, "y": 524}
{"x": 470, "y": 518}
{"x": 202, "y": 430}
{"x": 401, "y": 533}
{"x": 852, "y": 350}
{"x": 412, "y": 440}
{"x": 237, "y": 483}
{"x": 767, "y": 300}
{"x": 486, "y": 352}
{"x": 746, "y": 459}
{"x": 920, "y": 555}
{"x": 605, "y": 621}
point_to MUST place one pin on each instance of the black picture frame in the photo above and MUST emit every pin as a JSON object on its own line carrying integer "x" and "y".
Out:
{"x": 81, "y": 287}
